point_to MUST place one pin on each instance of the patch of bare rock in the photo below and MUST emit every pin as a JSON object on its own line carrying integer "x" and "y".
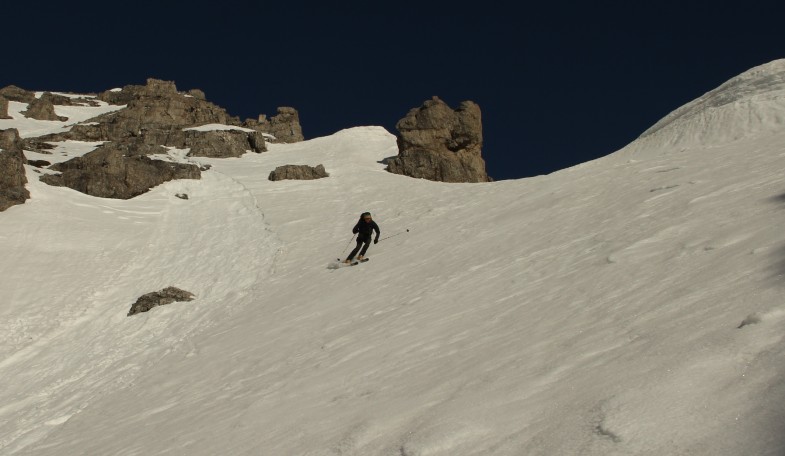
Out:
{"x": 160, "y": 298}
{"x": 298, "y": 172}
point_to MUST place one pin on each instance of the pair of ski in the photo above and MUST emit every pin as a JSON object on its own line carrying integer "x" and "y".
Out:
{"x": 355, "y": 263}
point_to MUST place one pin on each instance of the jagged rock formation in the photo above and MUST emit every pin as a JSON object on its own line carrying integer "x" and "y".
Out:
{"x": 438, "y": 143}
{"x": 119, "y": 170}
{"x": 298, "y": 172}
{"x": 43, "y": 109}
{"x": 15, "y": 93}
{"x": 12, "y": 171}
{"x": 4, "y": 108}
{"x": 223, "y": 143}
{"x": 156, "y": 112}
{"x": 284, "y": 127}
{"x": 160, "y": 298}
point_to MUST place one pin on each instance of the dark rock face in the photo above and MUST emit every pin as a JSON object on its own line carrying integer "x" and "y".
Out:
{"x": 159, "y": 298}
{"x": 298, "y": 172}
{"x": 223, "y": 143}
{"x": 119, "y": 170}
{"x": 438, "y": 143}
{"x": 285, "y": 126}
{"x": 43, "y": 109}
{"x": 4, "y": 108}
{"x": 15, "y": 93}
{"x": 12, "y": 171}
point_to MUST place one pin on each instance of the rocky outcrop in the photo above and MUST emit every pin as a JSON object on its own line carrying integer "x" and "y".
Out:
{"x": 43, "y": 109}
{"x": 4, "y": 108}
{"x": 155, "y": 112}
{"x": 438, "y": 143}
{"x": 12, "y": 170}
{"x": 284, "y": 127}
{"x": 37, "y": 145}
{"x": 223, "y": 143}
{"x": 298, "y": 172}
{"x": 119, "y": 170}
{"x": 159, "y": 298}
{"x": 15, "y": 93}
{"x": 196, "y": 93}
{"x": 62, "y": 100}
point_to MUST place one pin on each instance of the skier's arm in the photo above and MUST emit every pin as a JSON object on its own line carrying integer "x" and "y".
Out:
{"x": 356, "y": 228}
{"x": 378, "y": 232}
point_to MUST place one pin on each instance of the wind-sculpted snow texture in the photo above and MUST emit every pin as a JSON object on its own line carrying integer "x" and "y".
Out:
{"x": 753, "y": 102}
{"x": 633, "y": 305}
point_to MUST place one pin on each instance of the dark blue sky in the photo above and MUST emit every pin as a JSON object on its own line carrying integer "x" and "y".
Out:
{"x": 558, "y": 84}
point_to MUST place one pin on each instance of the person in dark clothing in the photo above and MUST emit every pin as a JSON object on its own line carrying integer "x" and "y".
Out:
{"x": 363, "y": 229}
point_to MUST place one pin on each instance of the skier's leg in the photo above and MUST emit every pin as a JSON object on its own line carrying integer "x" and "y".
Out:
{"x": 365, "y": 247}
{"x": 354, "y": 252}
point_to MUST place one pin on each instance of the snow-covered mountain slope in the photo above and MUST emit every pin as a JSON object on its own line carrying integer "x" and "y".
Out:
{"x": 594, "y": 311}
{"x": 749, "y": 104}
{"x": 29, "y": 128}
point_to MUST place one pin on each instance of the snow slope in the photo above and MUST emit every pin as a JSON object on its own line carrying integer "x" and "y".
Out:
{"x": 594, "y": 311}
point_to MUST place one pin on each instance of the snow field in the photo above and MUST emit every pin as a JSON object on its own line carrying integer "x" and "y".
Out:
{"x": 629, "y": 305}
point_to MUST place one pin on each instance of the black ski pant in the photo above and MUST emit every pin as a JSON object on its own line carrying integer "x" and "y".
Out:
{"x": 362, "y": 243}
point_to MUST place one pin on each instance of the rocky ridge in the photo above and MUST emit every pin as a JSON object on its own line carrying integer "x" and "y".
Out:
{"x": 154, "y": 115}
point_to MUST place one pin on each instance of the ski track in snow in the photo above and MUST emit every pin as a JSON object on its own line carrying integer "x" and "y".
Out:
{"x": 629, "y": 305}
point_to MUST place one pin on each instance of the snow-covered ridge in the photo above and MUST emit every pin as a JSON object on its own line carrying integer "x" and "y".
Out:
{"x": 746, "y": 105}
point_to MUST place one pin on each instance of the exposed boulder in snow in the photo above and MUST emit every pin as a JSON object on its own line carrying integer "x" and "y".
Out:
{"x": 38, "y": 163}
{"x": 160, "y": 298}
{"x": 284, "y": 126}
{"x": 4, "y": 108}
{"x": 43, "y": 109}
{"x": 119, "y": 170}
{"x": 298, "y": 172}
{"x": 19, "y": 94}
{"x": 223, "y": 143}
{"x": 441, "y": 144}
{"x": 12, "y": 171}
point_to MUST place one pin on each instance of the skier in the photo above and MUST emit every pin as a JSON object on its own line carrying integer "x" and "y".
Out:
{"x": 363, "y": 229}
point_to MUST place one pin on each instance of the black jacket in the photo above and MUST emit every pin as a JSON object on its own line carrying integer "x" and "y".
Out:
{"x": 365, "y": 229}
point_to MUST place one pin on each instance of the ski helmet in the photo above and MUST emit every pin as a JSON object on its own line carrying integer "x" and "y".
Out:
{"x": 365, "y": 214}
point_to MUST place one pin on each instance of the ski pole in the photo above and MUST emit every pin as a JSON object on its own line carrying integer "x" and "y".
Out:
{"x": 347, "y": 245}
{"x": 388, "y": 237}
